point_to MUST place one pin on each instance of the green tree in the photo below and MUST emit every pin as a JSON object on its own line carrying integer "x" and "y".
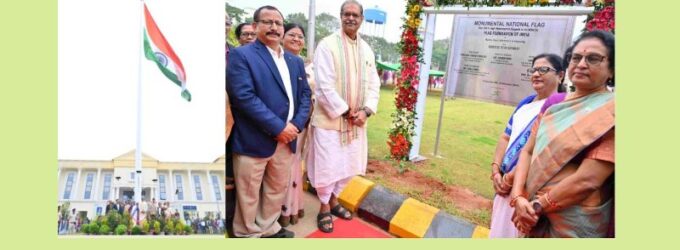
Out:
{"x": 440, "y": 53}
{"x": 325, "y": 25}
{"x": 298, "y": 18}
{"x": 238, "y": 15}
{"x": 384, "y": 51}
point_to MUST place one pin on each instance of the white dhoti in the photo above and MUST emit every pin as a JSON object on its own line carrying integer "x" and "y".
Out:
{"x": 330, "y": 164}
{"x": 346, "y": 81}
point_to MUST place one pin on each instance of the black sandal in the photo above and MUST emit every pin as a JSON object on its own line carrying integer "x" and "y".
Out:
{"x": 325, "y": 225}
{"x": 341, "y": 212}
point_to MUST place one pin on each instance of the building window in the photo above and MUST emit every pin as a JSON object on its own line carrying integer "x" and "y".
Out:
{"x": 216, "y": 187}
{"x": 69, "y": 185}
{"x": 88, "y": 186}
{"x": 179, "y": 191}
{"x": 197, "y": 185}
{"x": 107, "y": 187}
{"x": 161, "y": 187}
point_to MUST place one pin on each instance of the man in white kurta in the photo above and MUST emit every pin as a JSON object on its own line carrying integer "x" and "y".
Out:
{"x": 347, "y": 93}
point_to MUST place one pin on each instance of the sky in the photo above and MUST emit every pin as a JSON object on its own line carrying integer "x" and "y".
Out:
{"x": 98, "y": 62}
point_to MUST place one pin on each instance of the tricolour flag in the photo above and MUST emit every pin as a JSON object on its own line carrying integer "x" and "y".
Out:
{"x": 157, "y": 49}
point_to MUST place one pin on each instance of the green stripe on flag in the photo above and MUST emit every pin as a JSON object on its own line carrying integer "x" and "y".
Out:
{"x": 149, "y": 54}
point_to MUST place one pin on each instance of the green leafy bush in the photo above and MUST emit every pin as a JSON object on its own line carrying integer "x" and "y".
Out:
{"x": 121, "y": 230}
{"x": 145, "y": 227}
{"x": 136, "y": 230}
{"x": 179, "y": 228}
{"x": 93, "y": 228}
{"x": 85, "y": 229}
{"x": 156, "y": 227}
{"x": 104, "y": 229}
{"x": 169, "y": 227}
{"x": 113, "y": 218}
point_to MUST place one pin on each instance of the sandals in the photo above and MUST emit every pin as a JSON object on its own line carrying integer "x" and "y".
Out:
{"x": 284, "y": 221}
{"x": 341, "y": 212}
{"x": 324, "y": 221}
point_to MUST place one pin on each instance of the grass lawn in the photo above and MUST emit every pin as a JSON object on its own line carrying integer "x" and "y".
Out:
{"x": 469, "y": 133}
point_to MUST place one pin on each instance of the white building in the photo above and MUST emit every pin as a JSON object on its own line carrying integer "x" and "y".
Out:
{"x": 191, "y": 188}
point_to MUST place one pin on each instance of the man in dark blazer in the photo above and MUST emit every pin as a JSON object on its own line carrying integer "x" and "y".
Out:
{"x": 270, "y": 101}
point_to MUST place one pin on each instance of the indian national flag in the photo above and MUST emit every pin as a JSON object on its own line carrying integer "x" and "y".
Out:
{"x": 157, "y": 49}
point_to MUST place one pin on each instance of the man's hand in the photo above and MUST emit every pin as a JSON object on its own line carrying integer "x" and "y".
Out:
{"x": 359, "y": 118}
{"x": 288, "y": 134}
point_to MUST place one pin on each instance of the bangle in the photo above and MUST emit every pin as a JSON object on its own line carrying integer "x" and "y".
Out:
{"x": 551, "y": 203}
{"x": 495, "y": 170}
{"x": 514, "y": 200}
{"x": 505, "y": 180}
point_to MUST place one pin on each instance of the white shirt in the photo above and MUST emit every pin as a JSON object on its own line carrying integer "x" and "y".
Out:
{"x": 282, "y": 66}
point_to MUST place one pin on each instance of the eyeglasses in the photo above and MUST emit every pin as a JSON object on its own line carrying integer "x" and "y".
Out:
{"x": 350, "y": 14}
{"x": 591, "y": 59}
{"x": 271, "y": 23}
{"x": 541, "y": 70}
{"x": 248, "y": 34}
{"x": 298, "y": 36}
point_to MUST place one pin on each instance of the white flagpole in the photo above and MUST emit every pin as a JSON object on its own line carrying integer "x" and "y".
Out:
{"x": 138, "y": 151}
{"x": 311, "y": 29}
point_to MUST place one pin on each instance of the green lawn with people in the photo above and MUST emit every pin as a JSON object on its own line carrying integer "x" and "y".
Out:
{"x": 469, "y": 133}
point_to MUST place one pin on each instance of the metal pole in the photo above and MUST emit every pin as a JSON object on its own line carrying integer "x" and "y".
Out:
{"x": 512, "y": 10}
{"x": 414, "y": 154}
{"x": 449, "y": 63}
{"x": 138, "y": 152}
{"x": 311, "y": 29}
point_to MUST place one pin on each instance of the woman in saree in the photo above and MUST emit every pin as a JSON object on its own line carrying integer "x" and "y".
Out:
{"x": 546, "y": 74}
{"x": 293, "y": 208}
{"x": 564, "y": 181}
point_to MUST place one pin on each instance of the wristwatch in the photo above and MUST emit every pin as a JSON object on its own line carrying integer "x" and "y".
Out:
{"x": 538, "y": 208}
{"x": 367, "y": 111}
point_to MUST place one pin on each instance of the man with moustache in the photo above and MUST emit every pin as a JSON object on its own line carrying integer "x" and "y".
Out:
{"x": 347, "y": 91}
{"x": 270, "y": 101}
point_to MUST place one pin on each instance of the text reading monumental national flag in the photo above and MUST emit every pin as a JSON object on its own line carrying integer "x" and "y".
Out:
{"x": 157, "y": 49}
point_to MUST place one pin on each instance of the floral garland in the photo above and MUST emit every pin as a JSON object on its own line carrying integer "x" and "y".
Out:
{"x": 603, "y": 17}
{"x": 406, "y": 90}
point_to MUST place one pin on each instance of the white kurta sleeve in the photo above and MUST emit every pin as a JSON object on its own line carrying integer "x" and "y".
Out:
{"x": 372, "y": 94}
{"x": 327, "y": 96}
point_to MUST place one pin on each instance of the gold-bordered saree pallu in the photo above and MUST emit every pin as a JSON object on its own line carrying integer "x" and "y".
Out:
{"x": 566, "y": 129}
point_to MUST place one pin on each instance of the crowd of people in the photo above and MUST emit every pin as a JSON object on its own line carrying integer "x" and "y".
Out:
{"x": 289, "y": 118}
{"x": 71, "y": 222}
